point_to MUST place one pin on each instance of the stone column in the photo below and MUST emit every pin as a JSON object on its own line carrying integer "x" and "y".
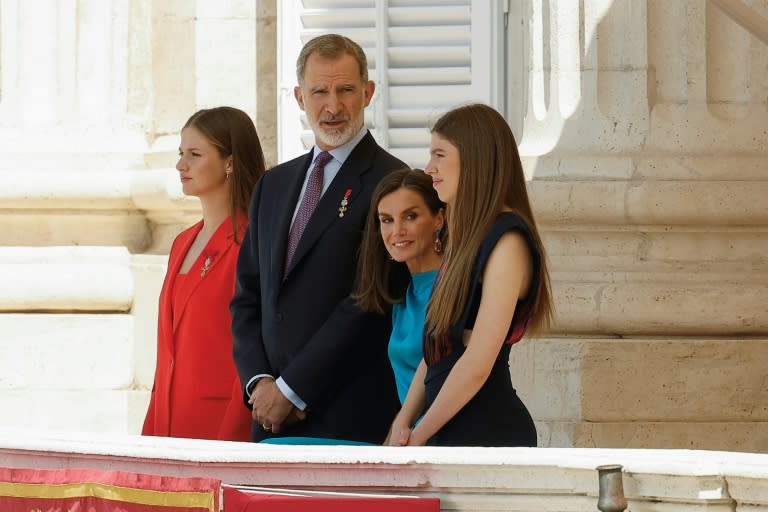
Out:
{"x": 645, "y": 141}
{"x": 92, "y": 96}
{"x": 71, "y": 142}
{"x": 266, "y": 73}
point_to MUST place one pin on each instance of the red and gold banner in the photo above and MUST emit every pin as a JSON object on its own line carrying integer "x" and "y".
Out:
{"x": 84, "y": 490}
{"x": 239, "y": 501}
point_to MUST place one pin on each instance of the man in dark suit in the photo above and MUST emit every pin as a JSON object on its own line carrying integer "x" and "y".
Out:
{"x": 310, "y": 362}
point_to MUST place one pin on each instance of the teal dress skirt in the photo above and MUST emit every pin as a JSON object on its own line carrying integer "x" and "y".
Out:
{"x": 311, "y": 441}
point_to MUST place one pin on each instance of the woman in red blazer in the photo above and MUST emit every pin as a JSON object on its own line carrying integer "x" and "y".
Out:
{"x": 196, "y": 392}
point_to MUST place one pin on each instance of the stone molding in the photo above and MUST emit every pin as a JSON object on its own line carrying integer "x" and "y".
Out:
{"x": 465, "y": 479}
{"x": 67, "y": 279}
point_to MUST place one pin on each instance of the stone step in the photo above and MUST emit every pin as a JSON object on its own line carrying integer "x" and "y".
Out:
{"x": 139, "y": 209}
{"x": 659, "y": 304}
{"x": 115, "y": 411}
{"x": 67, "y": 351}
{"x": 657, "y": 250}
{"x": 669, "y": 202}
{"x": 65, "y": 279}
{"x": 730, "y": 436}
{"x": 643, "y": 380}
{"x": 86, "y": 372}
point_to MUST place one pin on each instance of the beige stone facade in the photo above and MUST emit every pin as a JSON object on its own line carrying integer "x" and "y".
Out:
{"x": 648, "y": 170}
{"x": 645, "y": 139}
{"x": 94, "y": 93}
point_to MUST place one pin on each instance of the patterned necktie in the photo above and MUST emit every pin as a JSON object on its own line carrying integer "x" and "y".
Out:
{"x": 308, "y": 203}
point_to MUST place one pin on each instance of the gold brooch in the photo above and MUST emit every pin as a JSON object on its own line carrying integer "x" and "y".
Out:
{"x": 206, "y": 266}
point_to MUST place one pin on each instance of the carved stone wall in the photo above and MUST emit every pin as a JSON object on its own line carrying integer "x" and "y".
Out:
{"x": 93, "y": 95}
{"x": 646, "y": 143}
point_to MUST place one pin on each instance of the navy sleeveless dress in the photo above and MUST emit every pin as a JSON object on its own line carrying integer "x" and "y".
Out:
{"x": 495, "y": 416}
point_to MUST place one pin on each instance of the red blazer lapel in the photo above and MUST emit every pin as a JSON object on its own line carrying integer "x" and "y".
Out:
{"x": 221, "y": 242}
{"x": 175, "y": 259}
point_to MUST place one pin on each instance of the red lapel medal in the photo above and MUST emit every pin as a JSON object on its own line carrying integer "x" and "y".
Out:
{"x": 344, "y": 203}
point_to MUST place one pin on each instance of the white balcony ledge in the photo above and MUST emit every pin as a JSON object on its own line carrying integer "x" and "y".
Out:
{"x": 508, "y": 479}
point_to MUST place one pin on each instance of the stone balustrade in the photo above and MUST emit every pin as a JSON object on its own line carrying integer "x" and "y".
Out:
{"x": 465, "y": 479}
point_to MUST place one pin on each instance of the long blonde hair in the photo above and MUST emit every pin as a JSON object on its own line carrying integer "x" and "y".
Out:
{"x": 491, "y": 178}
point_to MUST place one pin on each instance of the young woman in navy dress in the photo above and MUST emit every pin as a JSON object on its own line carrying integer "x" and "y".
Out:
{"x": 492, "y": 288}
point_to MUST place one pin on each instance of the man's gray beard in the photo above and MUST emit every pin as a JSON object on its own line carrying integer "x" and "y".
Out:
{"x": 335, "y": 138}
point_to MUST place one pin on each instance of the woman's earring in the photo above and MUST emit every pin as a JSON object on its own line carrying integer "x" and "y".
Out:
{"x": 227, "y": 174}
{"x": 438, "y": 243}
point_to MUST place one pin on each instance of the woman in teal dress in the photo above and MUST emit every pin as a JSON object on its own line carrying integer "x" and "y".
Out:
{"x": 399, "y": 258}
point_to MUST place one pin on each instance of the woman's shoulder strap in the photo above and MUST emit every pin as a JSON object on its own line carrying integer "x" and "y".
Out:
{"x": 507, "y": 221}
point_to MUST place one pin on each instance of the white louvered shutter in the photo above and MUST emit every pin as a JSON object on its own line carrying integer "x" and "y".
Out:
{"x": 426, "y": 56}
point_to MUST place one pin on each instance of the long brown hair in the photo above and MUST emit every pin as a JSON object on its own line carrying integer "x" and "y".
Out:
{"x": 491, "y": 179}
{"x": 232, "y": 132}
{"x": 383, "y": 281}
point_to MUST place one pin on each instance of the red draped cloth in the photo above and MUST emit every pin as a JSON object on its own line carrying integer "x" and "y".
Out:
{"x": 85, "y": 490}
{"x": 237, "y": 501}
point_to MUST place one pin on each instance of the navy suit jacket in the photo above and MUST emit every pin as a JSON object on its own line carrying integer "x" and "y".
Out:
{"x": 299, "y": 322}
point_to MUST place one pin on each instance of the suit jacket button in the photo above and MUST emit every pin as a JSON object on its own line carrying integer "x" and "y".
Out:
{"x": 278, "y": 317}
